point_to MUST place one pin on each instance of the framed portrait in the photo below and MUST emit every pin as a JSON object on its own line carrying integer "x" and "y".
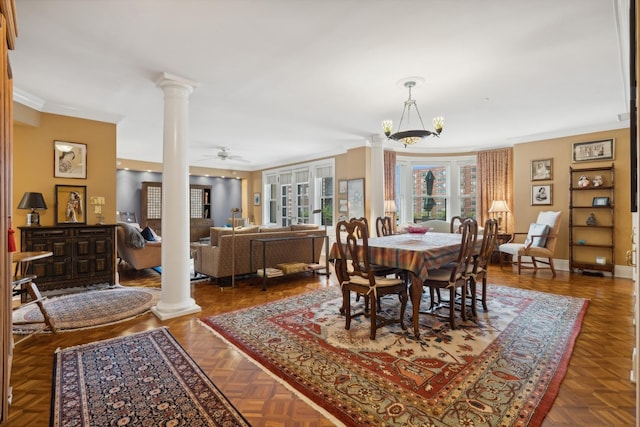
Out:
{"x": 541, "y": 194}
{"x": 342, "y": 186}
{"x": 594, "y": 151}
{"x": 69, "y": 160}
{"x": 541, "y": 170}
{"x": 355, "y": 196}
{"x": 256, "y": 199}
{"x": 343, "y": 206}
{"x": 71, "y": 204}
{"x": 600, "y": 201}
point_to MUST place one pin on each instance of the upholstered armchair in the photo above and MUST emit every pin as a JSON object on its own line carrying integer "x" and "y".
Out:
{"x": 135, "y": 250}
{"x": 539, "y": 244}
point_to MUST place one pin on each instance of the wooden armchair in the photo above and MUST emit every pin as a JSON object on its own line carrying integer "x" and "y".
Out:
{"x": 539, "y": 244}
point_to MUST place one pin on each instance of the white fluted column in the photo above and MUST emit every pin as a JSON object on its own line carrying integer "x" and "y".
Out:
{"x": 175, "y": 299}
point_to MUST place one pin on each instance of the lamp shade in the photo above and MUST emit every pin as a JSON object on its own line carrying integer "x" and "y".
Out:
{"x": 498, "y": 206}
{"x": 32, "y": 201}
{"x": 390, "y": 206}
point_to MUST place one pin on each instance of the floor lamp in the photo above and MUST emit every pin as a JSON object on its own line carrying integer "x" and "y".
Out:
{"x": 234, "y": 211}
{"x": 326, "y": 240}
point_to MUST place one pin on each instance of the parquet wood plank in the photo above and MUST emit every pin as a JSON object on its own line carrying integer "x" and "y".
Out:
{"x": 596, "y": 389}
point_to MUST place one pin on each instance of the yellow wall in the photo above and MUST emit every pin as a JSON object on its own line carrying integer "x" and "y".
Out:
{"x": 33, "y": 162}
{"x": 560, "y": 150}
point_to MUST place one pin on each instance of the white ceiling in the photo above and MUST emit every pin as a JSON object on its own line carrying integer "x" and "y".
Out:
{"x": 281, "y": 81}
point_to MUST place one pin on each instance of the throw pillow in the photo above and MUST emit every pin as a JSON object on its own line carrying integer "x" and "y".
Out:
{"x": 133, "y": 237}
{"x": 147, "y": 233}
{"x": 540, "y": 231}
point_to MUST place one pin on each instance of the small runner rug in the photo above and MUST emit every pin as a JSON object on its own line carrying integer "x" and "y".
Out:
{"x": 503, "y": 369}
{"x": 87, "y": 309}
{"x": 144, "y": 379}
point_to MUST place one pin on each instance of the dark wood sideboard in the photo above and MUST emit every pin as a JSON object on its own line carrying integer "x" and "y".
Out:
{"x": 82, "y": 254}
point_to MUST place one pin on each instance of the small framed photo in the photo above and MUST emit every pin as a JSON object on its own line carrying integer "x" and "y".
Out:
{"x": 541, "y": 170}
{"x": 593, "y": 151}
{"x": 69, "y": 160}
{"x": 71, "y": 204}
{"x": 342, "y": 186}
{"x": 600, "y": 201}
{"x": 343, "y": 206}
{"x": 256, "y": 199}
{"x": 541, "y": 194}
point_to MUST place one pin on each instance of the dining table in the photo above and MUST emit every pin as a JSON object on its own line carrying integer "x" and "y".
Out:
{"x": 416, "y": 254}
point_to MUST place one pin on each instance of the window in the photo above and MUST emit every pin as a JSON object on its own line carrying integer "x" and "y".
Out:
{"x": 435, "y": 188}
{"x": 291, "y": 196}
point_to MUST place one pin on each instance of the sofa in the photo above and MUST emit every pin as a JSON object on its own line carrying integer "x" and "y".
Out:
{"x": 135, "y": 250}
{"x": 214, "y": 259}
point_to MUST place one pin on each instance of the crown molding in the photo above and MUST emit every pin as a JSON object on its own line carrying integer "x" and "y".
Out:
{"x": 25, "y": 98}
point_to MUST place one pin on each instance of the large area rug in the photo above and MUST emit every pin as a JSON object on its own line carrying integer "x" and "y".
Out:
{"x": 144, "y": 379}
{"x": 88, "y": 309}
{"x": 503, "y": 369}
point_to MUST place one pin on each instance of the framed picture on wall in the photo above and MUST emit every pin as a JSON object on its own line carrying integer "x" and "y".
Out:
{"x": 541, "y": 194}
{"x": 256, "y": 199}
{"x": 355, "y": 196}
{"x": 69, "y": 160}
{"x": 342, "y": 186}
{"x": 593, "y": 151}
{"x": 71, "y": 204}
{"x": 541, "y": 170}
{"x": 343, "y": 206}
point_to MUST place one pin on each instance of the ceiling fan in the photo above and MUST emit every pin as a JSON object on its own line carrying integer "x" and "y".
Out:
{"x": 224, "y": 154}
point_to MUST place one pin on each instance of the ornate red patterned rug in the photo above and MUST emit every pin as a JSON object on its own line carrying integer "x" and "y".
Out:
{"x": 144, "y": 379}
{"x": 503, "y": 369}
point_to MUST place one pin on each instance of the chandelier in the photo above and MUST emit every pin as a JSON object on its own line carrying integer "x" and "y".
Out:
{"x": 410, "y": 137}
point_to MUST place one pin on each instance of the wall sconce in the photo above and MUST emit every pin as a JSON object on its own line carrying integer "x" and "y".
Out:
{"x": 499, "y": 207}
{"x": 32, "y": 201}
{"x": 98, "y": 203}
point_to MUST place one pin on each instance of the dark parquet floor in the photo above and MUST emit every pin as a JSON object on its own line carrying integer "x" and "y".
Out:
{"x": 596, "y": 391}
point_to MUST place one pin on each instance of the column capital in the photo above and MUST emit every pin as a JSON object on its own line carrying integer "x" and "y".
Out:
{"x": 171, "y": 80}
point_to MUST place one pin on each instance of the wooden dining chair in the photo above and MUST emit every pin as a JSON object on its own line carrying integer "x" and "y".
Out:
{"x": 454, "y": 276}
{"x": 478, "y": 270}
{"x": 383, "y": 226}
{"x": 32, "y": 290}
{"x": 456, "y": 223}
{"x": 359, "y": 277}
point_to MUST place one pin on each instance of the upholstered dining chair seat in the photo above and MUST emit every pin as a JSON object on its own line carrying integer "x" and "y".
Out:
{"x": 443, "y": 274}
{"x": 380, "y": 281}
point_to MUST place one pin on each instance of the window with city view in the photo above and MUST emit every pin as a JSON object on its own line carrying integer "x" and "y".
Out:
{"x": 438, "y": 189}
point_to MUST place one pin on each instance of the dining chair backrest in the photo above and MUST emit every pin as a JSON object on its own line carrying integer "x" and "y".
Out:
{"x": 353, "y": 245}
{"x": 469, "y": 231}
{"x": 489, "y": 236}
{"x": 456, "y": 223}
{"x": 383, "y": 226}
{"x": 366, "y": 223}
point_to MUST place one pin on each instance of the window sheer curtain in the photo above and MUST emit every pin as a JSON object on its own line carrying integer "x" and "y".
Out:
{"x": 495, "y": 182}
{"x": 390, "y": 181}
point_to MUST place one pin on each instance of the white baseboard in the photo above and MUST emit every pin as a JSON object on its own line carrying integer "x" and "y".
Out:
{"x": 621, "y": 271}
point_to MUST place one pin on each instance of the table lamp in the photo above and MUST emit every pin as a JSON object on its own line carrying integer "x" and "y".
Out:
{"x": 390, "y": 207}
{"x": 32, "y": 201}
{"x": 499, "y": 207}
